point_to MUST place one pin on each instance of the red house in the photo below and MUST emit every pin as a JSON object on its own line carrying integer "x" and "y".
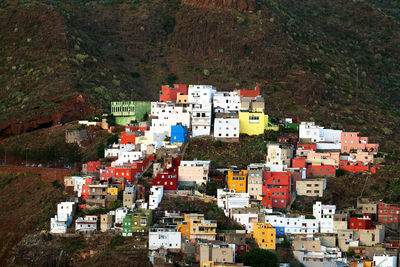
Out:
{"x": 250, "y": 93}
{"x": 299, "y": 163}
{"x": 169, "y": 179}
{"x": 388, "y": 213}
{"x": 360, "y": 223}
{"x": 126, "y": 172}
{"x": 169, "y": 176}
{"x": 128, "y": 138}
{"x": 320, "y": 170}
{"x": 85, "y": 188}
{"x": 303, "y": 149}
{"x": 93, "y": 166}
{"x": 107, "y": 173}
{"x": 276, "y": 189}
{"x": 169, "y": 93}
{"x": 240, "y": 249}
{"x": 312, "y": 146}
{"x": 357, "y": 166}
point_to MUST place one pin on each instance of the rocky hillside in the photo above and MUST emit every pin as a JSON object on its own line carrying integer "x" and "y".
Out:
{"x": 336, "y": 62}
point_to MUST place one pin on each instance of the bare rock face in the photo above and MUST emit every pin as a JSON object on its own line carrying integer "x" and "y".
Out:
{"x": 72, "y": 109}
{"x": 241, "y": 5}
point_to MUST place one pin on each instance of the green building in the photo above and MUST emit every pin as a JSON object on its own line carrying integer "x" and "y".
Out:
{"x": 127, "y": 225}
{"x": 127, "y": 111}
{"x": 137, "y": 222}
{"x": 141, "y": 221}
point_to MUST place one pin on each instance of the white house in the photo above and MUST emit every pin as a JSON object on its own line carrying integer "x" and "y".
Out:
{"x": 228, "y": 199}
{"x": 201, "y": 98}
{"x": 279, "y": 156}
{"x": 129, "y": 156}
{"x": 226, "y": 102}
{"x": 331, "y": 146}
{"x": 293, "y": 225}
{"x": 385, "y": 261}
{"x": 308, "y": 130}
{"x": 157, "y": 139}
{"x": 330, "y": 135}
{"x": 78, "y": 184}
{"x": 120, "y": 214}
{"x": 164, "y": 237}
{"x": 324, "y": 214}
{"x": 226, "y": 125}
{"x": 63, "y": 219}
{"x": 86, "y": 224}
{"x": 156, "y": 194}
{"x": 246, "y": 217}
{"x": 115, "y": 150}
{"x": 164, "y": 115}
{"x": 316, "y": 133}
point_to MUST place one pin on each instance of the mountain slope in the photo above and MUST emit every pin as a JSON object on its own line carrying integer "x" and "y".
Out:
{"x": 335, "y": 62}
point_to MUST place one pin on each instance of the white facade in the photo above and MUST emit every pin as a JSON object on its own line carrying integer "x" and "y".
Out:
{"x": 201, "y": 98}
{"x": 129, "y": 156}
{"x": 278, "y": 157}
{"x": 247, "y": 219}
{"x": 316, "y": 133}
{"x": 152, "y": 138}
{"x": 308, "y": 130}
{"x": 330, "y": 135}
{"x": 156, "y": 194}
{"x": 226, "y": 102}
{"x": 78, "y": 184}
{"x": 226, "y": 127}
{"x": 63, "y": 219}
{"x": 120, "y": 214}
{"x": 324, "y": 214}
{"x": 228, "y": 199}
{"x": 164, "y": 115}
{"x": 294, "y": 225}
{"x": 115, "y": 150}
{"x": 385, "y": 261}
{"x": 329, "y": 146}
{"x": 86, "y": 224}
{"x": 163, "y": 237}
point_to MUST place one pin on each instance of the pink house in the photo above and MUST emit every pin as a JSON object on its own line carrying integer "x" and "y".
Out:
{"x": 351, "y": 141}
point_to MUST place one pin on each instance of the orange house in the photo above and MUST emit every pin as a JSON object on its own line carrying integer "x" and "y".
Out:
{"x": 237, "y": 179}
{"x": 350, "y": 141}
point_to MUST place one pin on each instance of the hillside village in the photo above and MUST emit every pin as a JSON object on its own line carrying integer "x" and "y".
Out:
{"x": 123, "y": 194}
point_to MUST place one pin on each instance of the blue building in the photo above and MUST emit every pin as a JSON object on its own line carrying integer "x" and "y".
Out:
{"x": 280, "y": 230}
{"x": 179, "y": 134}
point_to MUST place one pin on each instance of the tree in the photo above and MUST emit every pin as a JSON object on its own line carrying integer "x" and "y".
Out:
{"x": 113, "y": 139}
{"x": 110, "y": 119}
{"x": 100, "y": 150}
{"x": 260, "y": 258}
{"x": 211, "y": 188}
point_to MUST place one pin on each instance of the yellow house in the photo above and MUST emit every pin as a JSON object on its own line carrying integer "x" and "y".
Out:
{"x": 237, "y": 179}
{"x": 195, "y": 226}
{"x": 265, "y": 235}
{"x": 113, "y": 191}
{"x": 254, "y": 122}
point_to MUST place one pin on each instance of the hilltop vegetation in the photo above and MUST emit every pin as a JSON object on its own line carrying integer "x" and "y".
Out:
{"x": 336, "y": 62}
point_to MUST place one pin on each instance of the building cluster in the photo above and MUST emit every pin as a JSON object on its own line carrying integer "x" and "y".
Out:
{"x": 196, "y": 110}
{"x": 258, "y": 197}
